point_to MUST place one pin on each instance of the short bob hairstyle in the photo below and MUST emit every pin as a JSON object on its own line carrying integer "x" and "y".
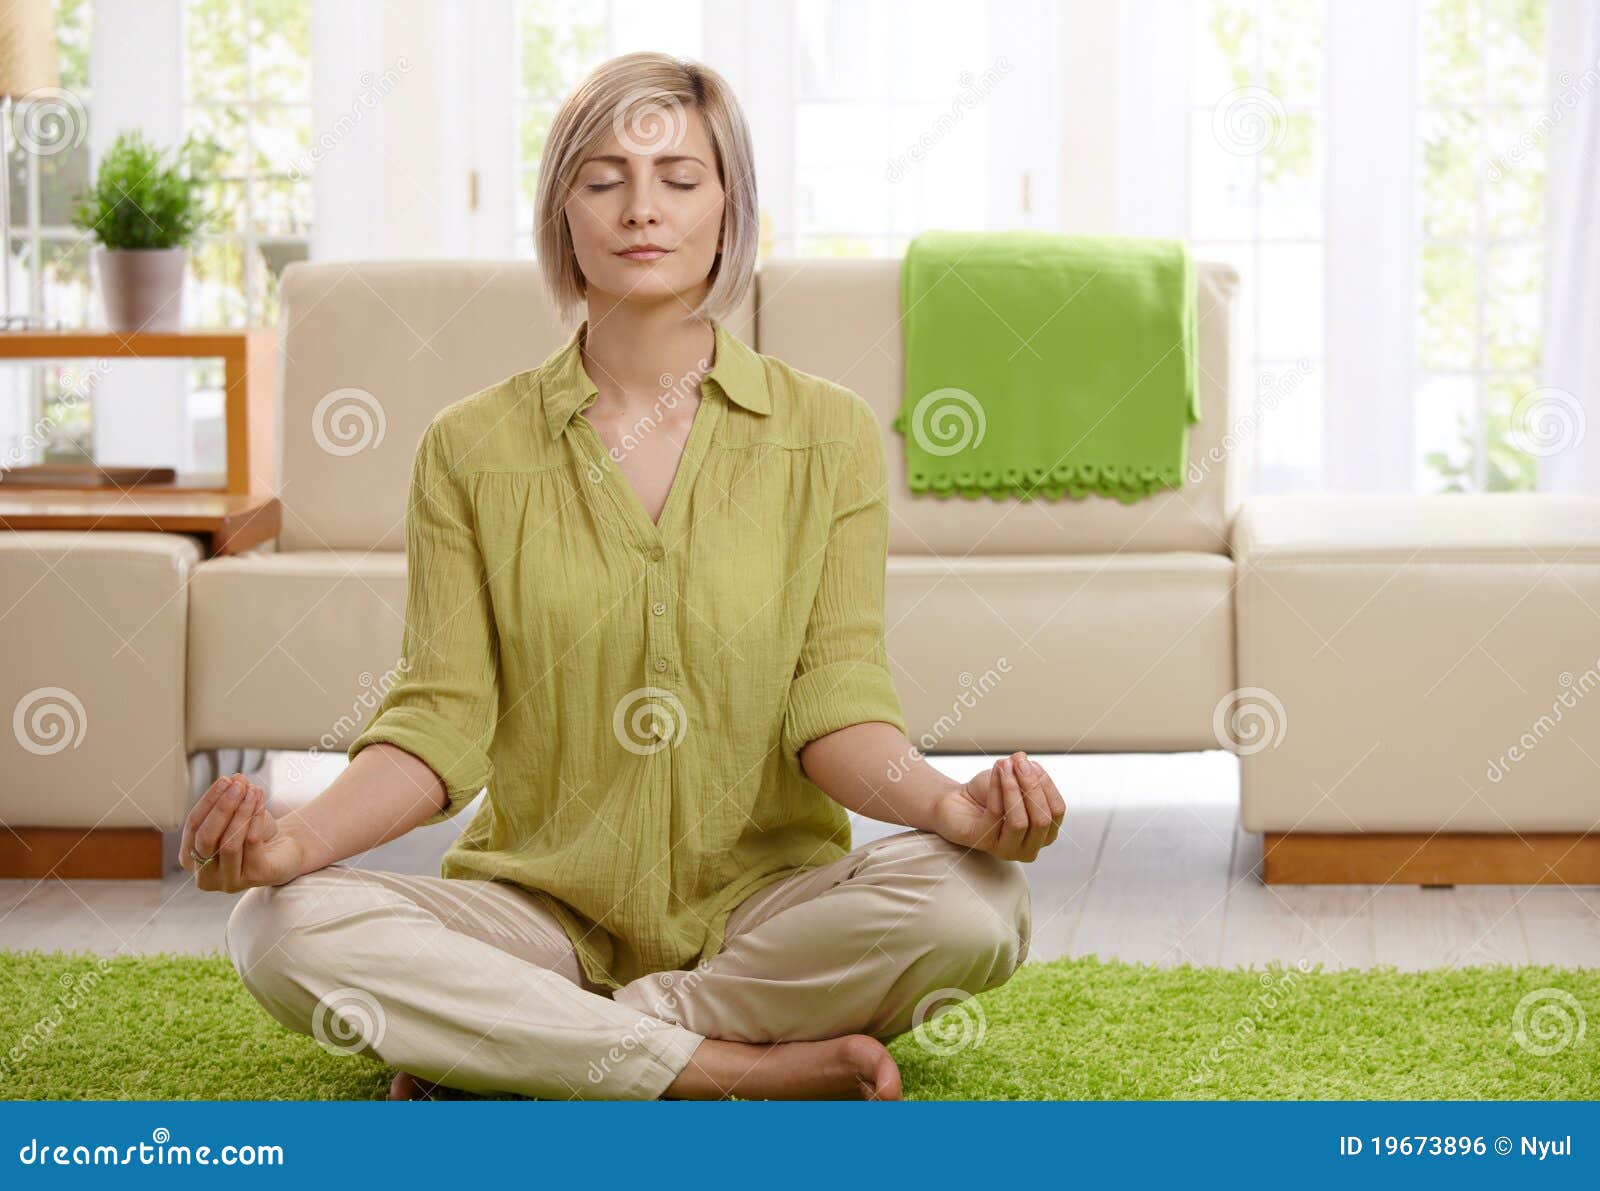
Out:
{"x": 643, "y": 97}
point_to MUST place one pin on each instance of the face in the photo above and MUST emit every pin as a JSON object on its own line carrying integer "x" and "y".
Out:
{"x": 653, "y": 180}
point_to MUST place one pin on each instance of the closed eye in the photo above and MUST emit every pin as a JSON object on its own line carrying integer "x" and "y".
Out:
{"x": 598, "y": 186}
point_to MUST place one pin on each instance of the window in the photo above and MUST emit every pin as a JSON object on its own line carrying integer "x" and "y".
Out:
{"x": 890, "y": 135}
{"x": 872, "y": 119}
{"x": 247, "y": 84}
{"x": 1257, "y": 146}
{"x": 1423, "y": 237}
{"x": 1480, "y": 271}
{"x": 556, "y": 42}
{"x": 47, "y": 167}
{"x": 908, "y": 116}
{"x": 46, "y": 414}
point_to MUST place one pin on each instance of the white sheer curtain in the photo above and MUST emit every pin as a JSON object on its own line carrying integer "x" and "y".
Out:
{"x": 1567, "y": 421}
{"x": 1124, "y": 139}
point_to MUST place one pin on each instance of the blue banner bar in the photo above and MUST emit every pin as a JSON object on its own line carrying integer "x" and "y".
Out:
{"x": 1364, "y": 1144}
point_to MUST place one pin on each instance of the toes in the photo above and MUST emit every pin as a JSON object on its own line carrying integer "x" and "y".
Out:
{"x": 888, "y": 1078}
{"x": 406, "y": 1086}
{"x": 876, "y": 1072}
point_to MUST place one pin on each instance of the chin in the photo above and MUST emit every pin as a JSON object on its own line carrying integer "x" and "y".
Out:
{"x": 630, "y": 287}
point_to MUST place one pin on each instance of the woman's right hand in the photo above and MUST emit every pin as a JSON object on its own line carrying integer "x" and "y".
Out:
{"x": 231, "y": 824}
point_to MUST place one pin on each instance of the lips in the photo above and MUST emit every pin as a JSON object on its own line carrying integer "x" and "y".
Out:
{"x": 643, "y": 252}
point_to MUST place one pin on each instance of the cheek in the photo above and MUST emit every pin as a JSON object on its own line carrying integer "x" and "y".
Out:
{"x": 590, "y": 245}
{"x": 702, "y": 218}
{"x": 583, "y": 223}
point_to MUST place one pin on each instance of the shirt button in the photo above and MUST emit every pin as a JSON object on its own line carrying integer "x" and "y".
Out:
{"x": 657, "y": 553}
{"x": 661, "y": 663}
{"x": 659, "y": 608}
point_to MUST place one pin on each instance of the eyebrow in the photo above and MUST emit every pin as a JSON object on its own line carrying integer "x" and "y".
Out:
{"x": 620, "y": 160}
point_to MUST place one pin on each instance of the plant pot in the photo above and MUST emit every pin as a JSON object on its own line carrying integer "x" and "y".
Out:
{"x": 142, "y": 288}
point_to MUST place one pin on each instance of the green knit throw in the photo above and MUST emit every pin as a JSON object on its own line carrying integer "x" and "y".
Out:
{"x": 1041, "y": 365}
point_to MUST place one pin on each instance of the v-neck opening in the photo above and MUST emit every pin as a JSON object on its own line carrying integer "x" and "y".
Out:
{"x": 653, "y": 533}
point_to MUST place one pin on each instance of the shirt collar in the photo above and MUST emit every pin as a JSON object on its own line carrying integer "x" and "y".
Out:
{"x": 568, "y": 388}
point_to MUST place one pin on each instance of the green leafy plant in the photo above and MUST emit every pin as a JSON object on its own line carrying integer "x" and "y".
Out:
{"x": 146, "y": 197}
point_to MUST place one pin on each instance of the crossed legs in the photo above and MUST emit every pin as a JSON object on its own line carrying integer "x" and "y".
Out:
{"x": 473, "y": 984}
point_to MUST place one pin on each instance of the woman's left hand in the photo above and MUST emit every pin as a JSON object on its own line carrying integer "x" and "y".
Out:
{"x": 1011, "y": 810}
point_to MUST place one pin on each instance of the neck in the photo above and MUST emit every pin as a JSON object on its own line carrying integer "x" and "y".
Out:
{"x": 637, "y": 355}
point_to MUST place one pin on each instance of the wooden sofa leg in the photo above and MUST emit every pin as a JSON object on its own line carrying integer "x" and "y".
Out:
{"x": 1445, "y": 858}
{"x": 123, "y": 853}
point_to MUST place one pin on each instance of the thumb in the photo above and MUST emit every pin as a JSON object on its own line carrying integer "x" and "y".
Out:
{"x": 263, "y": 826}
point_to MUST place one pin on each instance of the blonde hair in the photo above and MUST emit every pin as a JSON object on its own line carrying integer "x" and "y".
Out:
{"x": 644, "y": 99}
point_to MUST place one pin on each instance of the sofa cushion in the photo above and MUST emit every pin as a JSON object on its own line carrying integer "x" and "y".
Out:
{"x": 292, "y": 650}
{"x": 1464, "y": 526}
{"x": 1419, "y": 663}
{"x": 1082, "y": 652}
{"x": 93, "y": 638}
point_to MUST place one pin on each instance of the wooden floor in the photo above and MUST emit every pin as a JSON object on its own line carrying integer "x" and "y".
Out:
{"x": 1152, "y": 867}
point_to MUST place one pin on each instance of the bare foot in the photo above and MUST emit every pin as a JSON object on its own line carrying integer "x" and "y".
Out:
{"x": 855, "y": 1067}
{"x": 406, "y": 1086}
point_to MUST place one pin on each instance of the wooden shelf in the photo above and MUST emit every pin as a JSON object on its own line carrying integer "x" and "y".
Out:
{"x": 232, "y": 522}
{"x": 249, "y": 361}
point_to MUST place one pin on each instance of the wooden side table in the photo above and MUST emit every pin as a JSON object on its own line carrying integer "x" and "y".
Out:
{"x": 236, "y": 514}
{"x": 232, "y": 524}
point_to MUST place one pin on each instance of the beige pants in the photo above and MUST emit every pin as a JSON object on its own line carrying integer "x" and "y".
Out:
{"x": 473, "y": 984}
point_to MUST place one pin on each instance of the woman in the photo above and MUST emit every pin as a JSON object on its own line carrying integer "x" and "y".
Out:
{"x": 651, "y": 624}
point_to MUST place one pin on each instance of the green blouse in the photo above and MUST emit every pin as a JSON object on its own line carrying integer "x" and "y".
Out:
{"x": 635, "y": 695}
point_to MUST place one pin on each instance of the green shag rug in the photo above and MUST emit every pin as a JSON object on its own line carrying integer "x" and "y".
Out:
{"x": 75, "y": 1026}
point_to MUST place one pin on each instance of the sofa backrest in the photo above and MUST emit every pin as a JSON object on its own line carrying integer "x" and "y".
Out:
{"x": 387, "y": 344}
{"x": 370, "y": 351}
{"x": 841, "y": 319}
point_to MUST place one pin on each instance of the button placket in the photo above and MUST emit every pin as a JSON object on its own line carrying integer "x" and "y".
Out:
{"x": 647, "y": 534}
{"x": 658, "y": 630}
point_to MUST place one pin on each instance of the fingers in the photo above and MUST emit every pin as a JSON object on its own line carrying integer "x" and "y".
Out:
{"x": 208, "y": 835}
{"x": 1025, "y": 807}
{"x": 231, "y": 852}
{"x": 263, "y": 826}
{"x": 1057, "y": 804}
{"x": 1015, "y": 822}
{"x": 1040, "y": 823}
{"x": 196, "y": 816}
{"x": 211, "y": 824}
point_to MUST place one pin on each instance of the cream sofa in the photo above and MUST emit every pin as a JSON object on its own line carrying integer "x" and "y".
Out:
{"x": 1385, "y": 647}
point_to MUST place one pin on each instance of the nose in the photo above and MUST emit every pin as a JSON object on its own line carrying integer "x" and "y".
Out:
{"x": 641, "y": 207}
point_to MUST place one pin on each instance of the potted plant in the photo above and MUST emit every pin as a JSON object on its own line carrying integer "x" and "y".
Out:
{"x": 145, "y": 208}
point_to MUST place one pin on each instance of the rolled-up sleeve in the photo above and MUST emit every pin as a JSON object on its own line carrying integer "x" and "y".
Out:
{"x": 444, "y": 707}
{"x": 842, "y": 677}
